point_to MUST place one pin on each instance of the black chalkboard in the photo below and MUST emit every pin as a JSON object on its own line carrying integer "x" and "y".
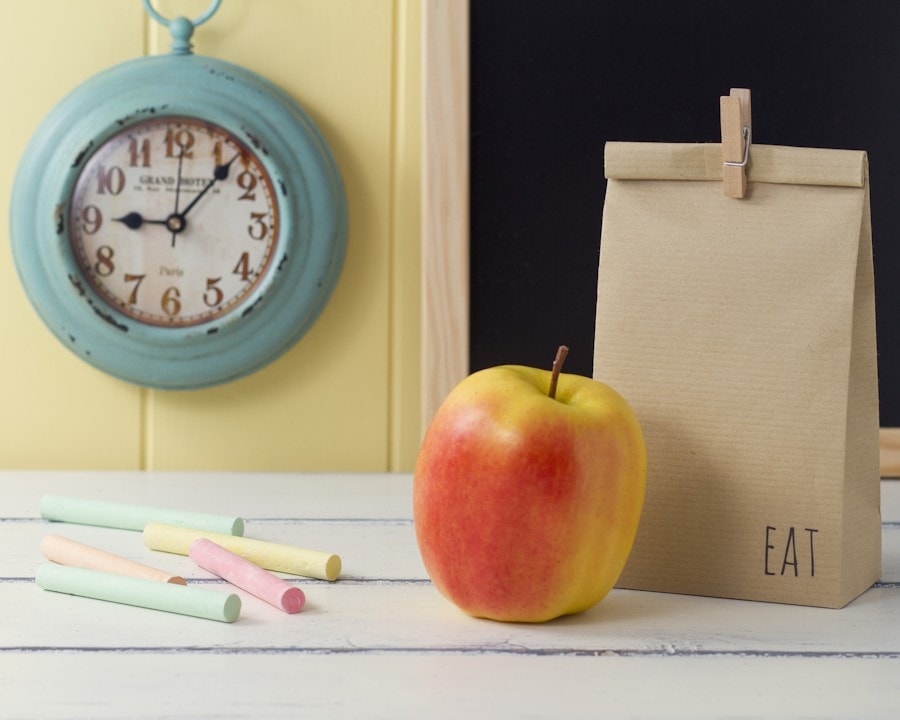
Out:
{"x": 551, "y": 82}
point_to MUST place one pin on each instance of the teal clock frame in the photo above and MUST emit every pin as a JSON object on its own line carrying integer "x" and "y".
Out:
{"x": 309, "y": 251}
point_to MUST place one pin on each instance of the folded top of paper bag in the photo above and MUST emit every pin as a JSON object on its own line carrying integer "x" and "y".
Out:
{"x": 703, "y": 161}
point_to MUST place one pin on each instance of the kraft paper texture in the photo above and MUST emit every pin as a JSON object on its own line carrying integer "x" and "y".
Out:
{"x": 742, "y": 332}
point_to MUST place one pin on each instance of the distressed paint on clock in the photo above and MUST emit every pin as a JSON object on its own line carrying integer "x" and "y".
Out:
{"x": 91, "y": 301}
{"x": 341, "y": 398}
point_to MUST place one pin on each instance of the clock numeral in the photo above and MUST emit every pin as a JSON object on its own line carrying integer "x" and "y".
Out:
{"x": 140, "y": 189}
{"x": 171, "y": 301}
{"x": 217, "y": 154}
{"x": 91, "y": 219}
{"x": 247, "y": 182}
{"x": 183, "y": 139}
{"x": 111, "y": 181}
{"x": 139, "y": 153}
{"x": 258, "y": 229}
{"x": 213, "y": 295}
{"x": 242, "y": 269}
{"x": 137, "y": 280}
{"x": 104, "y": 266}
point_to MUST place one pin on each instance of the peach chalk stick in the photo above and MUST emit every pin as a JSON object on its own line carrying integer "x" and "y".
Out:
{"x": 181, "y": 599}
{"x": 131, "y": 517}
{"x": 247, "y": 576}
{"x": 268, "y": 555}
{"x": 69, "y": 552}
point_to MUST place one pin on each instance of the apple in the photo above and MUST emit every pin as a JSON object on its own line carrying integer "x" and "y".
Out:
{"x": 527, "y": 492}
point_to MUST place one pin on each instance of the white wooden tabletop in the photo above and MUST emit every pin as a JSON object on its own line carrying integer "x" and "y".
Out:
{"x": 380, "y": 642}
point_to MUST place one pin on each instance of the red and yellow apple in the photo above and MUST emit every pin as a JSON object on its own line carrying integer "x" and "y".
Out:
{"x": 527, "y": 493}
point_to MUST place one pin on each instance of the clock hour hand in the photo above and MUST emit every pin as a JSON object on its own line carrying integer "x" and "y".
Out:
{"x": 134, "y": 220}
{"x": 220, "y": 173}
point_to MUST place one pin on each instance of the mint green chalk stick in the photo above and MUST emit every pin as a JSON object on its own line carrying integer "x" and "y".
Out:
{"x": 132, "y": 517}
{"x": 181, "y": 599}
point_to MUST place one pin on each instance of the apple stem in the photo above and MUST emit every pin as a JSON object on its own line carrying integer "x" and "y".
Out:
{"x": 557, "y": 367}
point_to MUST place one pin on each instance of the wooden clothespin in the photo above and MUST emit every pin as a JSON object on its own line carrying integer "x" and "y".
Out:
{"x": 736, "y": 137}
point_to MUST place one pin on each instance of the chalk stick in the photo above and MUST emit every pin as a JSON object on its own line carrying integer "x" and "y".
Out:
{"x": 269, "y": 555}
{"x": 246, "y": 575}
{"x": 181, "y": 599}
{"x": 132, "y": 517}
{"x": 70, "y": 552}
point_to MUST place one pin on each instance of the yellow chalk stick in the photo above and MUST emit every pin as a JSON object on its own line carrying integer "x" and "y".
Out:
{"x": 268, "y": 555}
{"x": 69, "y": 552}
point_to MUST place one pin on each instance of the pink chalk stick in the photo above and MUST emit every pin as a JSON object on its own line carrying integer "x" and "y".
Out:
{"x": 247, "y": 576}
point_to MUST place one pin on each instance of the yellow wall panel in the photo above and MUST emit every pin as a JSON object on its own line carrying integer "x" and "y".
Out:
{"x": 406, "y": 285}
{"x": 55, "y": 411}
{"x": 346, "y": 396}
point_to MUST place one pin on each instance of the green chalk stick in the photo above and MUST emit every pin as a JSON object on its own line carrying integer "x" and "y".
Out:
{"x": 181, "y": 599}
{"x": 132, "y": 517}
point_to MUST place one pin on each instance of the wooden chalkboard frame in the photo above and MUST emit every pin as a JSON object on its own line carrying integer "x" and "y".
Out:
{"x": 445, "y": 212}
{"x": 445, "y": 200}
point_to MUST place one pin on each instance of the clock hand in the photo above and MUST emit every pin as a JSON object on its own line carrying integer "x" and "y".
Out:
{"x": 220, "y": 173}
{"x": 134, "y": 220}
{"x": 177, "y": 196}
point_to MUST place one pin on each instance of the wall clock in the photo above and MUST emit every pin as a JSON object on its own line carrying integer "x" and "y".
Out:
{"x": 178, "y": 221}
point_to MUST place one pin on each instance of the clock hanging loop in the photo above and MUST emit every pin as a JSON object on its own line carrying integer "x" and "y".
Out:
{"x": 181, "y": 28}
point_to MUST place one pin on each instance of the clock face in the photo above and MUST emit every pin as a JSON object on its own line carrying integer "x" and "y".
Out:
{"x": 174, "y": 222}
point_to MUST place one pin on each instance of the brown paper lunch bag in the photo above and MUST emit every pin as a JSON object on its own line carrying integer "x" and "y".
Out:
{"x": 742, "y": 331}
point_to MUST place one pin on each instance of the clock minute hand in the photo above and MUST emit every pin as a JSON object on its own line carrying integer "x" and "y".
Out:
{"x": 220, "y": 173}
